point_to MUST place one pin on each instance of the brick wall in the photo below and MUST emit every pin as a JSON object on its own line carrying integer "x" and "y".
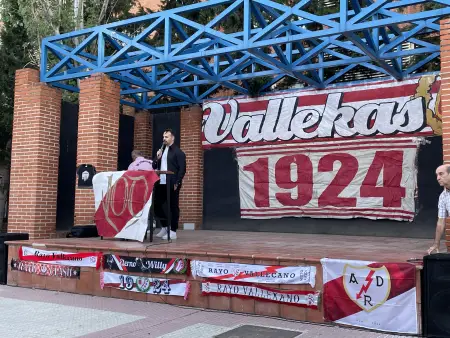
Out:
{"x": 191, "y": 194}
{"x": 143, "y": 132}
{"x": 445, "y": 101}
{"x": 35, "y": 153}
{"x": 98, "y": 130}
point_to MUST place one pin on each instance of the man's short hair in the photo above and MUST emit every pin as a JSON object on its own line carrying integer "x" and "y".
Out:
{"x": 136, "y": 153}
{"x": 168, "y": 130}
{"x": 448, "y": 169}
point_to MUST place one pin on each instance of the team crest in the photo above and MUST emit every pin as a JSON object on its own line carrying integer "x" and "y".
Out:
{"x": 368, "y": 287}
{"x": 143, "y": 284}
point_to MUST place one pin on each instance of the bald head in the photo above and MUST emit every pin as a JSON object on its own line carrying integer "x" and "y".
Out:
{"x": 443, "y": 175}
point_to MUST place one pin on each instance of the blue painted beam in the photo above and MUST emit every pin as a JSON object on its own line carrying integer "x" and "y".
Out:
{"x": 211, "y": 58}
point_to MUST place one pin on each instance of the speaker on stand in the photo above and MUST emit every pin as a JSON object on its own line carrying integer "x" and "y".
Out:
{"x": 5, "y": 237}
{"x": 436, "y": 295}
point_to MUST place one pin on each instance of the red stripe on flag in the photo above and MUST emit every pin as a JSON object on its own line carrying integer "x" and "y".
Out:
{"x": 305, "y": 100}
{"x": 337, "y": 304}
{"x": 385, "y": 210}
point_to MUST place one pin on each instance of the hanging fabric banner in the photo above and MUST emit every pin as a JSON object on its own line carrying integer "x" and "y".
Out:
{"x": 372, "y": 179}
{"x": 380, "y": 296}
{"x": 43, "y": 269}
{"x": 156, "y": 286}
{"x": 122, "y": 203}
{"x": 247, "y": 290}
{"x": 178, "y": 266}
{"x": 82, "y": 259}
{"x": 255, "y": 273}
{"x": 367, "y": 111}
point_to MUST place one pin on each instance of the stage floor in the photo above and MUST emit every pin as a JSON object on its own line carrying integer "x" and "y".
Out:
{"x": 263, "y": 245}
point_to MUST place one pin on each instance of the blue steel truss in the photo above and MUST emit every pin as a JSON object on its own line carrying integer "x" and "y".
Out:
{"x": 171, "y": 58}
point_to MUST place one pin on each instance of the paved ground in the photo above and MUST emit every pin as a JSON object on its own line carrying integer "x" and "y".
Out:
{"x": 28, "y": 313}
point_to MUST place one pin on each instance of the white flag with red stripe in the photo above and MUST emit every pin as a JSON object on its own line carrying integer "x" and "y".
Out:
{"x": 83, "y": 259}
{"x": 122, "y": 203}
{"x": 380, "y": 296}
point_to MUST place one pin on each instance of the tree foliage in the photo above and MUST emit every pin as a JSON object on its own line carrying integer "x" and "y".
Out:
{"x": 13, "y": 55}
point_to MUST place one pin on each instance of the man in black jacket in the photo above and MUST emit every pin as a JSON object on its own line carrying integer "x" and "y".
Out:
{"x": 170, "y": 158}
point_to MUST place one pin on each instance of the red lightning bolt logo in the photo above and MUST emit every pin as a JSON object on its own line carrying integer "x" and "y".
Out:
{"x": 364, "y": 288}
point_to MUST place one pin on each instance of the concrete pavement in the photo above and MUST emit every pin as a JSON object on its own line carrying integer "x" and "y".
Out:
{"x": 32, "y": 313}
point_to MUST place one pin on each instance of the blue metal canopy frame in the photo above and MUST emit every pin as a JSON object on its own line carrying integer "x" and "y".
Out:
{"x": 192, "y": 60}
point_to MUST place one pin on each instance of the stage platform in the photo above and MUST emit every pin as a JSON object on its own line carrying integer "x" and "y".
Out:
{"x": 225, "y": 246}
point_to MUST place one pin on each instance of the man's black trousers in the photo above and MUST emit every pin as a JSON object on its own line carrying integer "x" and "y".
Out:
{"x": 161, "y": 205}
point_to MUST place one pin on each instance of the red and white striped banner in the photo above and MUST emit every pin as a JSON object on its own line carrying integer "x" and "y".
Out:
{"x": 381, "y": 109}
{"x": 85, "y": 259}
{"x": 341, "y": 179}
{"x": 308, "y": 299}
{"x": 156, "y": 286}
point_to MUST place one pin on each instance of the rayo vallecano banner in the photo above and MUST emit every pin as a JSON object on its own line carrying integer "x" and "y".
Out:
{"x": 254, "y": 273}
{"x": 373, "y": 295}
{"x": 84, "y": 259}
{"x": 122, "y": 203}
{"x": 375, "y": 179}
{"x": 146, "y": 265}
{"x": 44, "y": 269}
{"x": 156, "y": 286}
{"x": 248, "y": 290}
{"x": 379, "y": 109}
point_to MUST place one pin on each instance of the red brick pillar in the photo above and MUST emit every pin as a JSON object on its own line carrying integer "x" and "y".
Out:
{"x": 143, "y": 132}
{"x": 191, "y": 195}
{"x": 98, "y": 132}
{"x": 35, "y": 154}
{"x": 445, "y": 102}
{"x": 128, "y": 110}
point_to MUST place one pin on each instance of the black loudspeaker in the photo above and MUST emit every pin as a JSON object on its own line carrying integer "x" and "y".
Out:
{"x": 436, "y": 295}
{"x": 4, "y": 237}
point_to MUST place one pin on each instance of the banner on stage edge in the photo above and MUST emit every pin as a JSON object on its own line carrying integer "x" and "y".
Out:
{"x": 146, "y": 265}
{"x": 380, "y": 296}
{"x": 81, "y": 259}
{"x": 308, "y": 299}
{"x": 122, "y": 203}
{"x": 156, "y": 286}
{"x": 255, "y": 273}
{"x": 45, "y": 269}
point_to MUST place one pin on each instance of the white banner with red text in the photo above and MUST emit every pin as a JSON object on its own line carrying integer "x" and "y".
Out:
{"x": 255, "y": 273}
{"x": 248, "y": 290}
{"x": 341, "y": 179}
{"x": 82, "y": 259}
{"x": 122, "y": 203}
{"x": 380, "y": 296}
{"x": 155, "y": 286}
{"x": 377, "y": 109}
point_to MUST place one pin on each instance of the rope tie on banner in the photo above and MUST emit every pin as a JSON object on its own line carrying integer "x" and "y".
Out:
{"x": 188, "y": 288}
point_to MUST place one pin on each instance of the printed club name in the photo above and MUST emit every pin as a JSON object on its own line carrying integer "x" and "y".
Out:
{"x": 57, "y": 257}
{"x": 261, "y": 274}
{"x": 157, "y": 265}
{"x": 282, "y": 121}
{"x": 252, "y": 291}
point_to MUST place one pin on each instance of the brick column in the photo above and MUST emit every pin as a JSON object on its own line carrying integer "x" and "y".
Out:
{"x": 445, "y": 102}
{"x": 35, "y": 153}
{"x": 98, "y": 132}
{"x": 191, "y": 195}
{"x": 143, "y": 132}
{"x": 128, "y": 110}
